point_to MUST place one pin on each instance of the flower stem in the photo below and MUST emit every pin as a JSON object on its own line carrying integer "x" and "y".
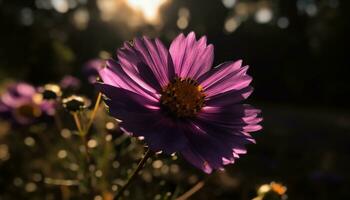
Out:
{"x": 191, "y": 191}
{"x": 83, "y": 131}
{"x": 133, "y": 175}
{"x": 93, "y": 114}
{"x": 82, "y": 135}
{"x": 77, "y": 122}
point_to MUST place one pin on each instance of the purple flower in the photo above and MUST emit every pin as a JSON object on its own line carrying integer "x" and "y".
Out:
{"x": 91, "y": 68}
{"x": 178, "y": 103}
{"x": 22, "y": 104}
{"x": 69, "y": 82}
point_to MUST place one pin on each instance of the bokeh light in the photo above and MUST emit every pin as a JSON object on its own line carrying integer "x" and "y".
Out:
{"x": 263, "y": 15}
{"x": 283, "y": 22}
{"x": 231, "y": 24}
{"x": 229, "y": 3}
{"x": 61, "y": 6}
{"x": 81, "y": 18}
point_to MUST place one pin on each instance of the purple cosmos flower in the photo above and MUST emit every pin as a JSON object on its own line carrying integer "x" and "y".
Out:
{"x": 69, "y": 82}
{"x": 178, "y": 103}
{"x": 91, "y": 67}
{"x": 22, "y": 104}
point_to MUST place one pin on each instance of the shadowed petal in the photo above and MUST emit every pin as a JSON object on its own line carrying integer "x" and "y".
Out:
{"x": 159, "y": 132}
{"x": 193, "y": 157}
{"x": 230, "y": 97}
{"x": 142, "y": 117}
{"x": 208, "y": 150}
{"x": 125, "y": 99}
{"x": 234, "y": 119}
{"x": 191, "y": 58}
{"x": 218, "y": 71}
{"x": 231, "y": 116}
{"x": 130, "y": 61}
{"x": 154, "y": 54}
{"x": 234, "y": 138}
{"x": 219, "y": 135}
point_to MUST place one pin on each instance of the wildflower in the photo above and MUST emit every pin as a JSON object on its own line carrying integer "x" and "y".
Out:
{"x": 90, "y": 69}
{"x": 22, "y": 104}
{"x": 178, "y": 103}
{"x": 69, "y": 82}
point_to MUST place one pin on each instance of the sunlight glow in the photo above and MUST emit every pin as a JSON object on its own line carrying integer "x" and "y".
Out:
{"x": 132, "y": 13}
{"x": 148, "y": 8}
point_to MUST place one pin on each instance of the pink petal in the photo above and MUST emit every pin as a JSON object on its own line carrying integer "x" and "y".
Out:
{"x": 226, "y": 77}
{"x": 155, "y": 56}
{"x": 191, "y": 58}
{"x": 114, "y": 75}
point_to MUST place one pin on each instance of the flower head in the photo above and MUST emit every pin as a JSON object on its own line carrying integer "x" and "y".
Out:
{"x": 22, "y": 104}
{"x": 178, "y": 102}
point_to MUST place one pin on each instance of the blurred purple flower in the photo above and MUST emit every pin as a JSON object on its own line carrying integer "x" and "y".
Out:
{"x": 22, "y": 104}
{"x": 91, "y": 68}
{"x": 178, "y": 103}
{"x": 69, "y": 82}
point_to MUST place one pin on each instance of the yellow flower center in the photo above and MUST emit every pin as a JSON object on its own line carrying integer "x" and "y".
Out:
{"x": 182, "y": 98}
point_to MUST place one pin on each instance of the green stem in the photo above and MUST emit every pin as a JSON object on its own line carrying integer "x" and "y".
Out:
{"x": 133, "y": 175}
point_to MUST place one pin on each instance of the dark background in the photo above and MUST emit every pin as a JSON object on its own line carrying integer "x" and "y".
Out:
{"x": 300, "y": 76}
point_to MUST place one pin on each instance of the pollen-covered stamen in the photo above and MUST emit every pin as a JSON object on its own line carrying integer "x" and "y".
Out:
{"x": 182, "y": 97}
